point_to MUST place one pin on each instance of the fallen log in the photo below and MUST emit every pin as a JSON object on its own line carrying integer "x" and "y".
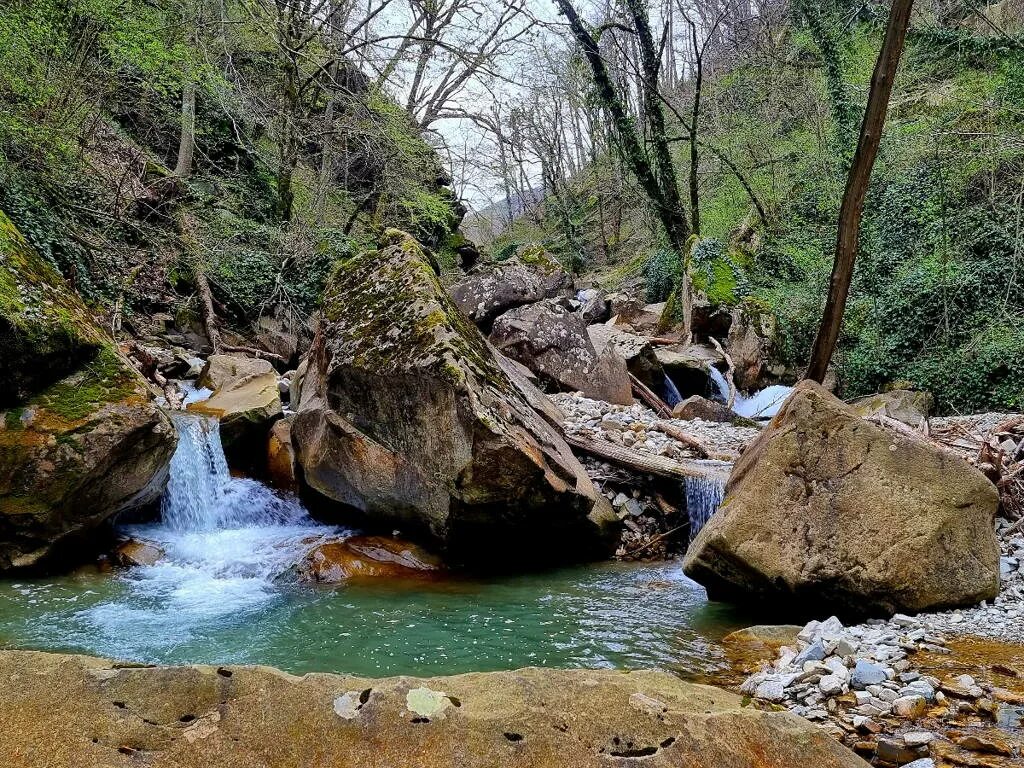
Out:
{"x": 680, "y": 436}
{"x": 654, "y": 402}
{"x": 649, "y": 463}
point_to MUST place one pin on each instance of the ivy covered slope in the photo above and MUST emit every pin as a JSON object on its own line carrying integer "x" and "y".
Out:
{"x": 80, "y": 438}
{"x": 91, "y": 123}
{"x": 938, "y": 297}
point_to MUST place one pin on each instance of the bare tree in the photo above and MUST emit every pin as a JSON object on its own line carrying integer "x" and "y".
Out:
{"x": 857, "y": 187}
{"x": 650, "y": 160}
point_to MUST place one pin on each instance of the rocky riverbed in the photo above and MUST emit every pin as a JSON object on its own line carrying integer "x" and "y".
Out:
{"x": 878, "y": 687}
{"x": 640, "y": 429}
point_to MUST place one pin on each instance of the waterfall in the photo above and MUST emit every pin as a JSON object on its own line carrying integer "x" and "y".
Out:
{"x": 198, "y": 477}
{"x": 761, "y": 405}
{"x": 672, "y": 396}
{"x": 719, "y": 382}
{"x": 201, "y": 495}
{"x": 703, "y": 497}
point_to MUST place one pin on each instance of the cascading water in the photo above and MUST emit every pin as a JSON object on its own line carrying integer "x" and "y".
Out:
{"x": 703, "y": 497}
{"x": 761, "y": 405}
{"x": 225, "y": 541}
{"x": 672, "y": 396}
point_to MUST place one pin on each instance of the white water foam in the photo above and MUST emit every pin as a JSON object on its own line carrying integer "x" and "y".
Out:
{"x": 761, "y": 405}
{"x": 225, "y": 542}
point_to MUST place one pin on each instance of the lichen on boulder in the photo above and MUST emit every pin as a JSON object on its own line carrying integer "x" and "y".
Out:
{"x": 80, "y": 437}
{"x": 491, "y": 291}
{"x": 407, "y": 416}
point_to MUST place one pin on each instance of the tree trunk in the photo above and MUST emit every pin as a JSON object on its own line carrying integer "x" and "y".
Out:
{"x": 857, "y": 186}
{"x": 187, "y": 143}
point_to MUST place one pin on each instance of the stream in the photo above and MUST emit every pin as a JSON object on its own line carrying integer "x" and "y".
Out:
{"x": 225, "y": 593}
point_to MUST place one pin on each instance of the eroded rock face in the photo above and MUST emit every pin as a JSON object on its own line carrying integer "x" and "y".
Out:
{"x": 828, "y": 511}
{"x": 407, "y": 416}
{"x": 491, "y": 292}
{"x": 553, "y": 343}
{"x": 748, "y": 344}
{"x": 335, "y": 562}
{"x": 57, "y": 713}
{"x": 80, "y": 438}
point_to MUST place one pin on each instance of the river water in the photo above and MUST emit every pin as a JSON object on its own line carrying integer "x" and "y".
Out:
{"x": 225, "y": 592}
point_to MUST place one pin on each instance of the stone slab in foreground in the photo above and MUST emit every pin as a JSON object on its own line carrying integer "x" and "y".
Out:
{"x": 58, "y": 710}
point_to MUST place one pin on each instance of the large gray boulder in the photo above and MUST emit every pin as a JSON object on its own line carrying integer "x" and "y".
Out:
{"x": 636, "y": 350}
{"x": 494, "y": 290}
{"x": 828, "y": 512}
{"x": 407, "y": 416}
{"x": 553, "y": 343}
{"x": 57, "y": 712}
{"x": 81, "y": 439}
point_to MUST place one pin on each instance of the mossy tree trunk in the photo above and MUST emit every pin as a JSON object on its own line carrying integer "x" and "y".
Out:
{"x": 653, "y": 168}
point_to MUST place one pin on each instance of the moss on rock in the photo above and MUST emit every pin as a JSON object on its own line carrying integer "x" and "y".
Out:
{"x": 45, "y": 330}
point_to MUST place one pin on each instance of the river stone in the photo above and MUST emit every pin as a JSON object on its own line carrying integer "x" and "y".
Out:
{"x": 493, "y": 290}
{"x": 245, "y": 399}
{"x": 827, "y": 511}
{"x": 636, "y": 350}
{"x": 56, "y": 712}
{"x": 132, "y": 553}
{"x": 81, "y": 439}
{"x": 553, "y": 343}
{"x": 408, "y": 417}
{"x": 335, "y": 562}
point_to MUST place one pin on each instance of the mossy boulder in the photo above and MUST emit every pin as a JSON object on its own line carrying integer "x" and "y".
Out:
{"x": 80, "y": 437}
{"x": 45, "y": 331}
{"x": 493, "y": 290}
{"x": 407, "y": 416}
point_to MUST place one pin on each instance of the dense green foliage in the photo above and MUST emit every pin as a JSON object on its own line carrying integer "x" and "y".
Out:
{"x": 90, "y": 123}
{"x": 937, "y": 299}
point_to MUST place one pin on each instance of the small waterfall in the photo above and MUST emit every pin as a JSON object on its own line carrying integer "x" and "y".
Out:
{"x": 201, "y": 495}
{"x": 703, "y": 497}
{"x": 764, "y": 404}
{"x": 672, "y": 396}
{"x": 198, "y": 476}
{"x": 720, "y": 384}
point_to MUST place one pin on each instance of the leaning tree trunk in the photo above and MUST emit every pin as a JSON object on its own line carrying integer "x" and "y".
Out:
{"x": 187, "y": 142}
{"x": 857, "y": 188}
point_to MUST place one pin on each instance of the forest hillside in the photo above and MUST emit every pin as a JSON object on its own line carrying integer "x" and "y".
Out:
{"x": 936, "y": 302}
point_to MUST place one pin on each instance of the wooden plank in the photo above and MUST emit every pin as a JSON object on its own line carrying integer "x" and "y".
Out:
{"x": 649, "y": 463}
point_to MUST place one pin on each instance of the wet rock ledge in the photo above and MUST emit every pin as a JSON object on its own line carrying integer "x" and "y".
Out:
{"x": 58, "y": 710}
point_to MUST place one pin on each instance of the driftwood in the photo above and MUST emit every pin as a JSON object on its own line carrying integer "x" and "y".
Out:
{"x": 658, "y": 405}
{"x": 679, "y": 435}
{"x": 209, "y": 315}
{"x": 648, "y": 463}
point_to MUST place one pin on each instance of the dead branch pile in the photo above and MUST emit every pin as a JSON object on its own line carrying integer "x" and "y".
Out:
{"x": 994, "y": 443}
